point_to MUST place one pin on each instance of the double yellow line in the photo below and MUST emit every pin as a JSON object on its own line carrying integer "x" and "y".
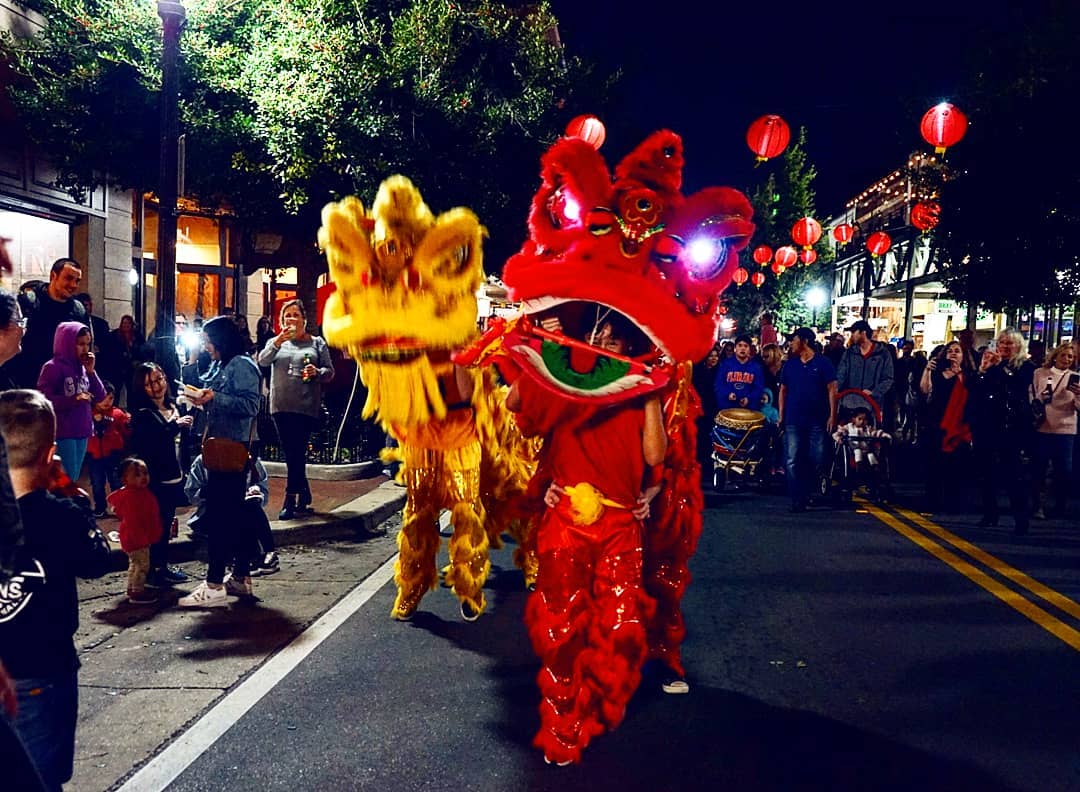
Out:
{"x": 1010, "y": 597}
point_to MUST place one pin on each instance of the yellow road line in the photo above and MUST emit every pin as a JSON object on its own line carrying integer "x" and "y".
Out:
{"x": 1011, "y": 598}
{"x": 1056, "y": 599}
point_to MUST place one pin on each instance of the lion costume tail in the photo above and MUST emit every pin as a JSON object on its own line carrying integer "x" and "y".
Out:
{"x": 672, "y": 534}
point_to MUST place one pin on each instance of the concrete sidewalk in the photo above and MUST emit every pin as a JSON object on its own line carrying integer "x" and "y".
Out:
{"x": 149, "y": 671}
{"x": 343, "y": 510}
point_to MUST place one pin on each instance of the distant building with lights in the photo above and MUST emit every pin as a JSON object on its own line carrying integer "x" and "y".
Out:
{"x": 901, "y": 292}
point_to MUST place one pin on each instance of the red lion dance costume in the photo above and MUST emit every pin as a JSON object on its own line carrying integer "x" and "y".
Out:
{"x": 609, "y": 588}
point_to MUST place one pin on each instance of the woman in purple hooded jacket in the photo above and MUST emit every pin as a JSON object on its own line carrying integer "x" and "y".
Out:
{"x": 70, "y": 383}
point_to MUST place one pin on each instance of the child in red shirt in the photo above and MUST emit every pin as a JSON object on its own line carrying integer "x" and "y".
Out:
{"x": 140, "y": 525}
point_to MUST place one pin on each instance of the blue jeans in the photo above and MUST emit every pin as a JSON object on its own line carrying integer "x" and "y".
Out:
{"x": 71, "y": 452}
{"x": 102, "y": 470}
{"x": 48, "y": 711}
{"x": 801, "y": 442}
{"x": 1054, "y": 450}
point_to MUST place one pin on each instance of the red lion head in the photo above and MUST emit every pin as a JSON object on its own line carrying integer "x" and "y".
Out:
{"x": 632, "y": 244}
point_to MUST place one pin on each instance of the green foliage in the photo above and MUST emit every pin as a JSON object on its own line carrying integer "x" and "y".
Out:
{"x": 785, "y": 196}
{"x": 1010, "y": 227}
{"x": 287, "y": 105}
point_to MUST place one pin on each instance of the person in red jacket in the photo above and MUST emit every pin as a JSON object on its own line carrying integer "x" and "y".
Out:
{"x": 105, "y": 448}
{"x": 140, "y": 526}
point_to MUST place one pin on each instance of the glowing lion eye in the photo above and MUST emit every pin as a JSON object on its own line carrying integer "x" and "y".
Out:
{"x": 563, "y": 209}
{"x": 705, "y": 257}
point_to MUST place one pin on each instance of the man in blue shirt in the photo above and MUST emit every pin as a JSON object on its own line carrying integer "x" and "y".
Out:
{"x": 807, "y": 414}
{"x": 741, "y": 379}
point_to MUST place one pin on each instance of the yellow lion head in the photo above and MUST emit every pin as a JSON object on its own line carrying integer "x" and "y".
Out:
{"x": 406, "y": 293}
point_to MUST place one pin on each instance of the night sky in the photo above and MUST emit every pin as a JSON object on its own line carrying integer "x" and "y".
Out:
{"x": 858, "y": 77}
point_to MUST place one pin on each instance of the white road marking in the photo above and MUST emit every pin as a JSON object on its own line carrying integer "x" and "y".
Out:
{"x": 164, "y": 768}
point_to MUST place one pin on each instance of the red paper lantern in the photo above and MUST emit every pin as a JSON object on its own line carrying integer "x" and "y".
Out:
{"x": 925, "y": 215}
{"x": 762, "y": 254}
{"x": 843, "y": 233}
{"x": 808, "y": 256}
{"x": 806, "y": 232}
{"x": 739, "y": 276}
{"x": 786, "y": 256}
{"x": 589, "y": 128}
{"x": 942, "y": 126}
{"x": 768, "y": 136}
{"x": 778, "y": 269}
{"x": 878, "y": 243}
{"x": 758, "y": 278}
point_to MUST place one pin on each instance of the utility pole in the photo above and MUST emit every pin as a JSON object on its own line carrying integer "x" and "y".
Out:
{"x": 172, "y": 20}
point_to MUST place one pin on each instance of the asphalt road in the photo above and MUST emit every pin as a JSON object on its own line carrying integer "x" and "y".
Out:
{"x": 827, "y": 650}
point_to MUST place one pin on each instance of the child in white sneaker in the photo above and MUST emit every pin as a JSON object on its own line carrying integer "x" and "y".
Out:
{"x": 140, "y": 525}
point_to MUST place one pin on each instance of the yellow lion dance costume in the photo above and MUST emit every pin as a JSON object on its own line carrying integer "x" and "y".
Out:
{"x": 405, "y": 300}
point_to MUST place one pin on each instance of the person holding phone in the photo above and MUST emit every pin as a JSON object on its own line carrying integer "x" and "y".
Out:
{"x": 999, "y": 411}
{"x": 1057, "y": 385}
{"x": 946, "y": 434}
{"x": 299, "y": 363}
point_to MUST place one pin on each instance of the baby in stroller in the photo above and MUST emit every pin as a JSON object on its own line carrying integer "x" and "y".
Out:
{"x": 860, "y": 449}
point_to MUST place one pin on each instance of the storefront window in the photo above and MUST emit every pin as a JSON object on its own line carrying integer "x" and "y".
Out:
{"x": 197, "y": 294}
{"x": 35, "y": 244}
{"x": 198, "y": 241}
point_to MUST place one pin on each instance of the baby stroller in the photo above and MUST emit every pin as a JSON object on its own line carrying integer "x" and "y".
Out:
{"x": 861, "y": 450}
{"x": 739, "y": 445}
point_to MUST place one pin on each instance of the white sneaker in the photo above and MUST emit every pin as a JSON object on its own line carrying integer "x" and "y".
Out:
{"x": 675, "y": 686}
{"x": 204, "y": 597}
{"x": 238, "y": 588}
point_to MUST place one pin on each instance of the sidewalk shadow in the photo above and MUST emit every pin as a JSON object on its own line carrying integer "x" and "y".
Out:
{"x": 243, "y": 629}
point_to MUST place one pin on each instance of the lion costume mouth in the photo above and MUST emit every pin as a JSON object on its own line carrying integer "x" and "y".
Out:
{"x": 571, "y": 367}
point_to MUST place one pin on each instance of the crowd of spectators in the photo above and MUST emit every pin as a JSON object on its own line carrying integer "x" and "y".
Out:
{"x": 74, "y": 391}
{"x": 996, "y": 420}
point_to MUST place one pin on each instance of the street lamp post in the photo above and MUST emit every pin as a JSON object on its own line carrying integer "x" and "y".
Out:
{"x": 815, "y": 298}
{"x": 172, "y": 20}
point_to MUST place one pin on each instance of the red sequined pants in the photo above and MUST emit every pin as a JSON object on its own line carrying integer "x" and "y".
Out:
{"x": 586, "y": 621}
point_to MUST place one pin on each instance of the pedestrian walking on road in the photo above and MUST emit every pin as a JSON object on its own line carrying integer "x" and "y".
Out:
{"x": 946, "y": 436}
{"x": 867, "y": 366}
{"x": 1057, "y": 385}
{"x": 1001, "y": 425}
{"x": 808, "y": 407}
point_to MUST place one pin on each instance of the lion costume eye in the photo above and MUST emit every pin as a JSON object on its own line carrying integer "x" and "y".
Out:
{"x": 705, "y": 257}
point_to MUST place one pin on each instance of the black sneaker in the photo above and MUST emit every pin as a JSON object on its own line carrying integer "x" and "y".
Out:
{"x": 265, "y": 564}
{"x": 169, "y": 576}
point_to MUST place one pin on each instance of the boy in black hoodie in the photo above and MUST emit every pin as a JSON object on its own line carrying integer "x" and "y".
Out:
{"x": 39, "y": 604}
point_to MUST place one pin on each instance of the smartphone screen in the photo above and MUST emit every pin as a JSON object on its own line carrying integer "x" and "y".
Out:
{"x": 1074, "y": 379}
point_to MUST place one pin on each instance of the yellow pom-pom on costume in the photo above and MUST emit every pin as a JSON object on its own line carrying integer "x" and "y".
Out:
{"x": 405, "y": 300}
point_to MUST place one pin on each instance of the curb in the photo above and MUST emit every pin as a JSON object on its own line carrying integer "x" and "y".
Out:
{"x": 346, "y": 472}
{"x": 357, "y": 519}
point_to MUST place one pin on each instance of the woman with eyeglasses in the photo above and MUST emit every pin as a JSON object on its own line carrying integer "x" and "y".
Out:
{"x": 155, "y": 426}
{"x": 12, "y": 327}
